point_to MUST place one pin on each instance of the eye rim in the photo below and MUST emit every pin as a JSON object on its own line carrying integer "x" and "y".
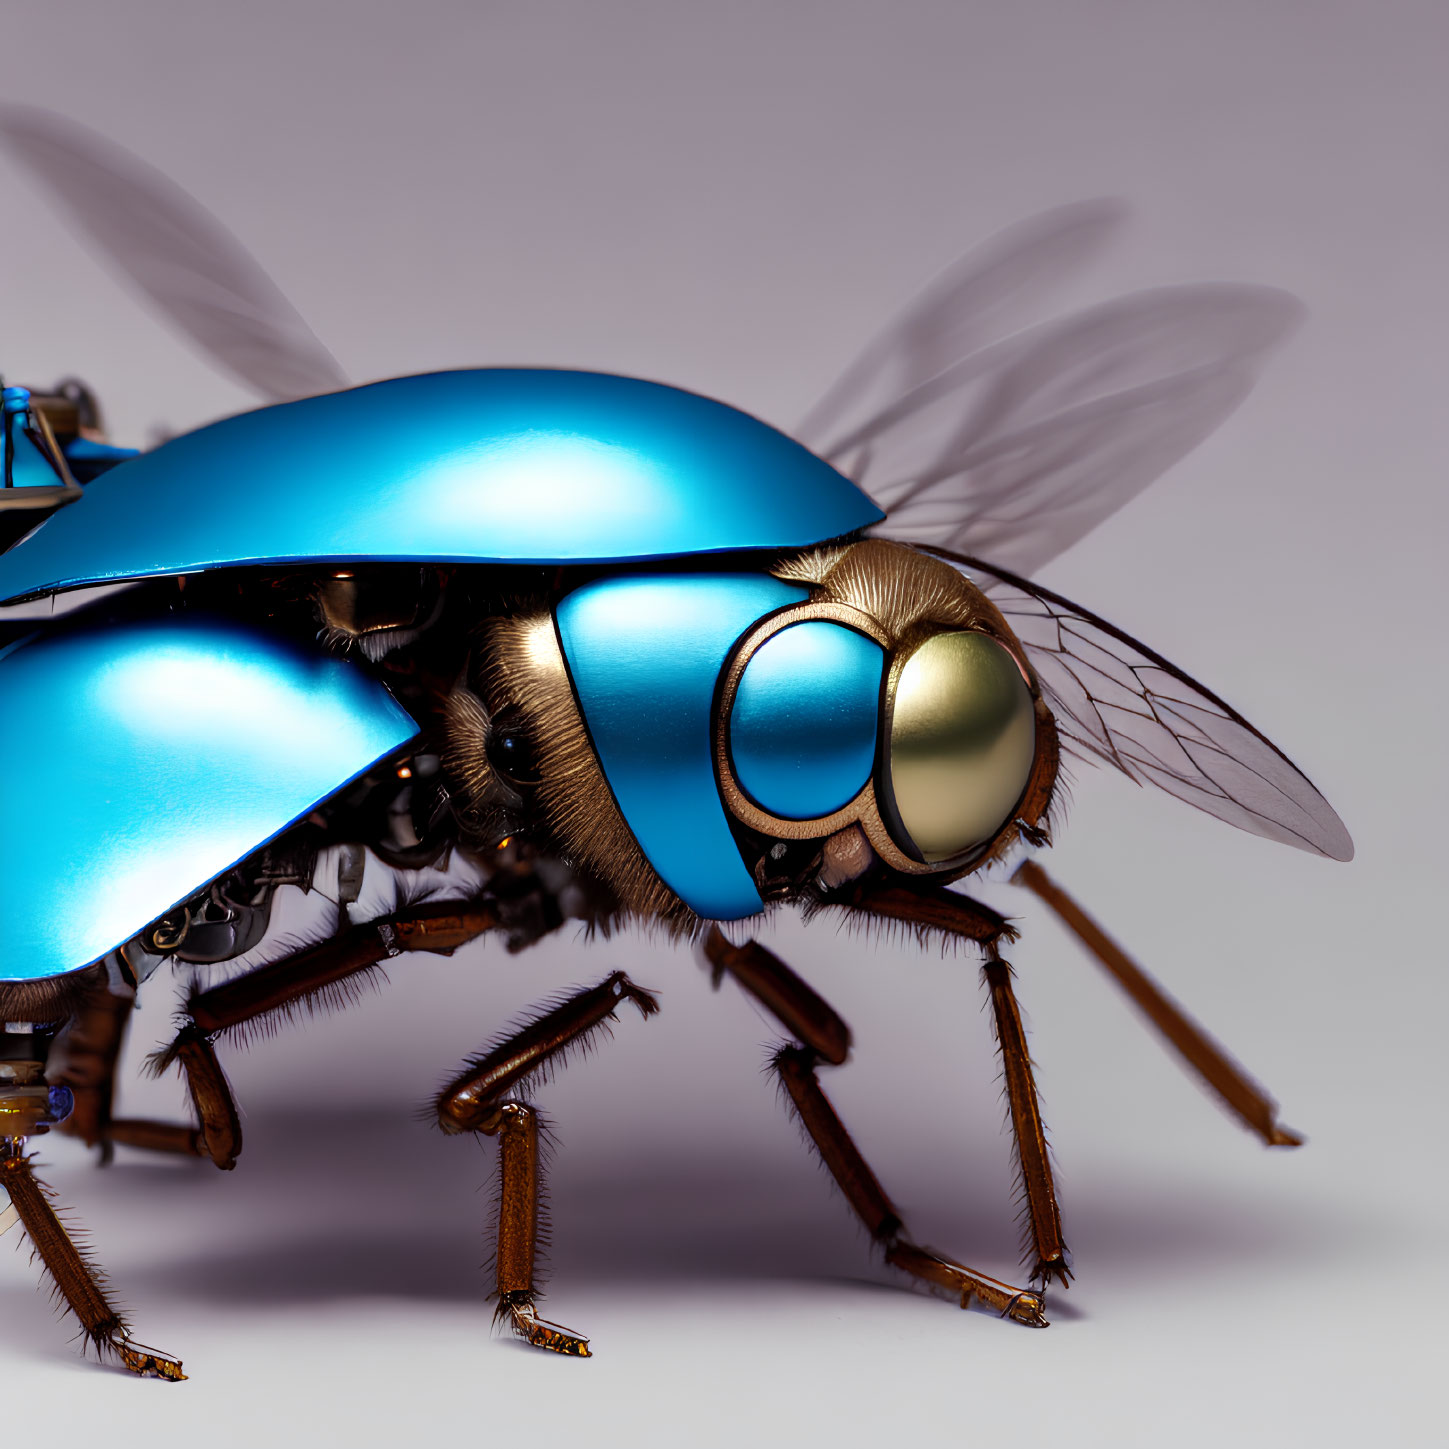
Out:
{"x": 737, "y": 800}
{"x": 867, "y": 809}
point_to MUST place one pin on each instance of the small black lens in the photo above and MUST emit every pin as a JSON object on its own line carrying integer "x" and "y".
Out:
{"x": 510, "y": 749}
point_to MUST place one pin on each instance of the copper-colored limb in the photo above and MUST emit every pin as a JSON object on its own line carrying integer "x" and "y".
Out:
{"x": 156, "y": 1136}
{"x": 276, "y": 988}
{"x": 1237, "y": 1090}
{"x": 934, "y": 909}
{"x": 794, "y": 1002}
{"x": 795, "y": 1066}
{"x": 279, "y": 984}
{"x": 519, "y": 1197}
{"x": 478, "y": 1100}
{"x": 84, "y": 1058}
{"x": 466, "y": 1103}
{"x": 1044, "y": 1218}
{"x": 823, "y": 1037}
{"x": 931, "y": 910}
{"x": 75, "y": 1279}
{"x": 1002, "y": 1298}
{"x": 442, "y": 926}
{"x": 517, "y": 1134}
{"x": 221, "y": 1133}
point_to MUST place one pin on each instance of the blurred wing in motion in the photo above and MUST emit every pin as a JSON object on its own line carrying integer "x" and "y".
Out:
{"x": 1016, "y": 446}
{"x": 986, "y": 295}
{"x": 1118, "y": 702}
{"x": 181, "y": 259}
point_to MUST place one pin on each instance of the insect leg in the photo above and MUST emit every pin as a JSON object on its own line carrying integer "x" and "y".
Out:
{"x": 324, "y": 974}
{"x": 822, "y": 1037}
{"x": 84, "y": 1058}
{"x": 220, "y": 1135}
{"x": 936, "y": 911}
{"x": 482, "y": 1098}
{"x": 1043, "y": 1215}
{"x": 77, "y": 1281}
{"x": 1237, "y": 1090}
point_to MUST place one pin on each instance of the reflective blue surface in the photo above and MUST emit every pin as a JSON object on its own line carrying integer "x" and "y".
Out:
{"x": 143, "y": 760}
{"x": 803, "y": 726}
{"x": 490, "y": 465}
{"x": 645, "y": 655}
{"x": 25, "y": 466}
{"x": 87, "y": 460}
{"x": 61, "y": 1103}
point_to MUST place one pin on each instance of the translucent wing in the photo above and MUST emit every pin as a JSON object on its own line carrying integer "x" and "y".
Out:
{"x": 176, "y": 254}
{"x": 1118, "y": 702}
{"x": 985, "y": 295}
{"x": 1017, "y": 445}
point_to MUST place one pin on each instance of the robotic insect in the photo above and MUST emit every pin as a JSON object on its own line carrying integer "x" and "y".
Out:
{"x": 588, "y": 649}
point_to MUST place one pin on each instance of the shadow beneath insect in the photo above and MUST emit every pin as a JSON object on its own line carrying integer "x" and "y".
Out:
{"x": 350, "y": 1205}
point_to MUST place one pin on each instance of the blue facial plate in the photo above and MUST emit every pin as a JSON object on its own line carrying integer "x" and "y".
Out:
{"x": 645, "y": 654}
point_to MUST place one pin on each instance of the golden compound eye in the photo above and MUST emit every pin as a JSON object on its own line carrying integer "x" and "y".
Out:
{"x": 962, "y": 735}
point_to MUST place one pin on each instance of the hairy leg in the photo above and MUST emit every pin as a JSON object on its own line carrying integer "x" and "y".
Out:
{"x": 327, "y": 974}
{"x": 935, "y": 911}
{"x": 822, "y": 1038}
{"x": 483, "y": 1098}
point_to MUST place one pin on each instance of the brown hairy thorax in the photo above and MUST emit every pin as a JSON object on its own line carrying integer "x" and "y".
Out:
{"x": 520, "y": 667}
{"x": 908, "y": 593}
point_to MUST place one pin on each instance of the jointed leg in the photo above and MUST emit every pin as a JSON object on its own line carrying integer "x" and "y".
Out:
{"x": 1237, "y": 1090}
{"x": 219, "y": 1136}
{"x": 29, "y": 1106}
{"x": 85, "y": 1056}
{"x": 482, "y": 1099}
{"x": 1044, "y": 1218}
{"x": 933, "y": 910}
{"x": 823, "y": 1038}
{"x": 75, "y": 1279}
{"x": 325, "y": 973}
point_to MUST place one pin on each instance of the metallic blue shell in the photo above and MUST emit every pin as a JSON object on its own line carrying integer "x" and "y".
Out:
{"x": 486, "y": 466}
{"x": 142, "y": 760}
{"x": 803, "y": 726}
{"x": 23, "y": 464}
{"x": 645, "y": 653}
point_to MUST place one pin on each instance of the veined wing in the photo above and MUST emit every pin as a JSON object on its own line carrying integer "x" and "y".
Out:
{"x": 1017, "y": 445}
{"x": 176, "y": 254}
{"x": 1120, "y": 703}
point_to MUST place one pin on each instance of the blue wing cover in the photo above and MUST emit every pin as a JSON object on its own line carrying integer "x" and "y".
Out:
{"x": 143, "y": 760}
{"x": 486, "y": 466}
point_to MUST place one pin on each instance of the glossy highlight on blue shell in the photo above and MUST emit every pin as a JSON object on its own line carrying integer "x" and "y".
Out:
{"x": 804, "y": 721}
{"x": 493, "y": 465}
{"x": 645, "y": 654}
{"x": 145, "y": 759}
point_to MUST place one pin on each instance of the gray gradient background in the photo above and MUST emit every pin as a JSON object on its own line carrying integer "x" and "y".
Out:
{"x": 730, "y": 197}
